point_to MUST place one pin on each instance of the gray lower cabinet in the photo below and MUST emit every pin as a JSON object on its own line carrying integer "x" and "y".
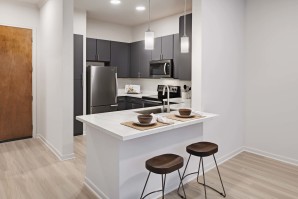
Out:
{"x": 121, "y": 103}
{"x": 120, "y": 57}
{"x": 98, "y": 50}
{"x": 139, "y": 60}
{"x": 163, "y": 48}
{"x": 78, "y": 87}
{"x": 127, "y": 103}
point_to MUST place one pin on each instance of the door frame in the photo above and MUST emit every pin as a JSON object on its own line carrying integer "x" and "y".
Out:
{"x": 34, "y": 73}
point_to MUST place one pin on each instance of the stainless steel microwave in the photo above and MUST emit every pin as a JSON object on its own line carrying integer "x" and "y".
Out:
{"x": 161, "y": 68}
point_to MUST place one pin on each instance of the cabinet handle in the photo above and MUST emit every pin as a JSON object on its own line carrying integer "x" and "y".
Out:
{"x": 98, "y": 57}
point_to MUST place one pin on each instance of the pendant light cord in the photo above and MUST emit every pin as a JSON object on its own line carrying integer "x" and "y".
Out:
{"x": 149, "y": 15}
{"x": 184, "y": 17}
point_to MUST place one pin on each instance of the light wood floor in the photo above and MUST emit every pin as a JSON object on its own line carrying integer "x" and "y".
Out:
{"x": 28, "y": 170}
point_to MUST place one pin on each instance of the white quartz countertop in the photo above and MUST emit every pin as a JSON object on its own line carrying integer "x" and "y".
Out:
{"x": 110, "y": 123}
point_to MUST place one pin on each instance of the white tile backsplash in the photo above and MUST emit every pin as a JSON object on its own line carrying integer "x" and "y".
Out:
{"x": 151, "y": 84}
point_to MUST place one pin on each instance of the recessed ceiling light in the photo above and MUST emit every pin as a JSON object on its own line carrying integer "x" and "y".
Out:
{"x": 115, "y": 2}
{"x": 140, "y": 8}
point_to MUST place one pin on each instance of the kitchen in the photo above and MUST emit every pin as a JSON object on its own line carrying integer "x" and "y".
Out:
{"x": 241, "y": 73}
{"x": 126, "y": 51}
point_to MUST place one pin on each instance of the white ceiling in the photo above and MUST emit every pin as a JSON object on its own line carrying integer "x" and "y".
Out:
{"x": 125, "y": 13}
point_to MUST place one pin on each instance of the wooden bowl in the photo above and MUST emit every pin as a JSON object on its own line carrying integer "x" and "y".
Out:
{"x": 184, "y": 111}
{"x": 145, "y": 119}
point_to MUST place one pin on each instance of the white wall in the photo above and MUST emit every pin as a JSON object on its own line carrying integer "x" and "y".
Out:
{"x": 55, "y": 79}
{"x": 108, "y": 31}
{"x": 80, "y": 27}
{"x": 161, "y": 27}
{"x": 24, "y": 15}
{"x": 272, "y": 78}
{"x": 223, "y": 72}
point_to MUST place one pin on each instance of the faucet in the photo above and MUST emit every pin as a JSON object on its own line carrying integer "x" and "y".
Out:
{"x": 168, "y": 96}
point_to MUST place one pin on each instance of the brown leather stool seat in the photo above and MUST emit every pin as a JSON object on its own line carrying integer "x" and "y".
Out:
{"x": 202, "y": 149}
{"x": 164, "y": 164}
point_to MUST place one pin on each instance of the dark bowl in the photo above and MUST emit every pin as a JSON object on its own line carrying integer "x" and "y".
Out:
{"x": 184, "y": 111}
{"x": 145, "y": 119}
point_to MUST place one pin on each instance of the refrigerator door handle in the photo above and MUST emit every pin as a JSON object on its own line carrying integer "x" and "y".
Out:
{"x": 116, "y": 79}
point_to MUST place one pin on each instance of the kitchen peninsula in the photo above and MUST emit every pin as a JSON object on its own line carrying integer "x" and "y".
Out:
{"x": 116, "y": 154}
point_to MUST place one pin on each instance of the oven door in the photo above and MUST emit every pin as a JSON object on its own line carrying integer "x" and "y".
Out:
{"x": 159, "y": 69}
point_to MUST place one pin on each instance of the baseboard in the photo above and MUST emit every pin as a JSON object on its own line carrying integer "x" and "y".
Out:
{"x": 91, "y": 186}
{"x": 54, "y": 150}
{"x": 271, "y": 156}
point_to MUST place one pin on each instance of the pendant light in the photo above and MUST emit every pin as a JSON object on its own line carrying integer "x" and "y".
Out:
{"x": 184, "y": 39}
{"x": 149, "y": 35}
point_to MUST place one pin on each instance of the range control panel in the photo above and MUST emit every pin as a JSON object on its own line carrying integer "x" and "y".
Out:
{"x": 175, "y": 91}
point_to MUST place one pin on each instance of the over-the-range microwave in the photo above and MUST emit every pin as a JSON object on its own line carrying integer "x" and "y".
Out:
{"x": 161, "y": 68}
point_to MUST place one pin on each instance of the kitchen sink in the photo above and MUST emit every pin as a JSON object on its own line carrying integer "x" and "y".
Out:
{"x": 154, "y": 111}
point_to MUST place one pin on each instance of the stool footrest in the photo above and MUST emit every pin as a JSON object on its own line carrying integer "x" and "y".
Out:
{"x": 220, "y": 193}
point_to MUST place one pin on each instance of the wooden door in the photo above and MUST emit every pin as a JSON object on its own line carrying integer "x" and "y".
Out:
{"x": 15, "y": 83}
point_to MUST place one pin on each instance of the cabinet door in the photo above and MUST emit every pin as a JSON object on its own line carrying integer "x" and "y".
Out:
{"x": 120, "y": 57}
{"x": 134, "y": 59}
{"x": 103, "y": 50}
{"x": 78, "y": 56}
{"x": 78, "y": 106}
{"x": 156, "y": 52}
{"x": 167, "y": 47}
{"x": 176, "y": 55}
{"x": 185, "y": 58}
{"x": 145, "y": 58}
{"x": 91, "y": 54}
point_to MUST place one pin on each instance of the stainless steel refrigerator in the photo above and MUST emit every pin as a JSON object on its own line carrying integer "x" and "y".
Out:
{"x": 102, "y": 88}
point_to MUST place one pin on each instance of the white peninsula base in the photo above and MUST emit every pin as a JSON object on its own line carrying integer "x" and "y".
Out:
{"x": 115, "y": 167}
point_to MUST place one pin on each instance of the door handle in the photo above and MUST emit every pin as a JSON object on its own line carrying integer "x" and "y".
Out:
{"x": 164, "y": 69}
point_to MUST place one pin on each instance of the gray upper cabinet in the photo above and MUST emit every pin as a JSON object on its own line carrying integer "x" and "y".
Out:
{"x": 120, "y": 57}
{"x": 140, "y": 60}
{"x": 78, "y": 56}
{"x": 145, "y": 58}
{"x": 182, "y": 61}
{"x": 167, "y": 44}
{"x": 134, "y": 59}
{"x": 157, "y": 51}
{"x": 98, "y": 50}
{"x": 163, "y": 48}
{"x": 91, "y": 53}
{"x": 103, "y": 50}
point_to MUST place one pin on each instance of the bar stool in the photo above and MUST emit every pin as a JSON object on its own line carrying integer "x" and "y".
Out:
{"x": 164, "y": 164}
{"x": 203, "y": 149}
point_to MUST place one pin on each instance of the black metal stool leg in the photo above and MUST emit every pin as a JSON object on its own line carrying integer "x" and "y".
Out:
{"x": 224, "y": 192}
{"x": 199, "y": 169}
{"x": 145, "y": 185}
{"x": 163, "y": 181}
{"x": 204, "y": 178}
{"x": 182, "y": 185}
{"x": 183, "y": 174}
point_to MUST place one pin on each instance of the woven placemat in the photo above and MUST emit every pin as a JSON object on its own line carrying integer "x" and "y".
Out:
{"x": 174, "y": 117}
{"x": 143, "y": 128}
